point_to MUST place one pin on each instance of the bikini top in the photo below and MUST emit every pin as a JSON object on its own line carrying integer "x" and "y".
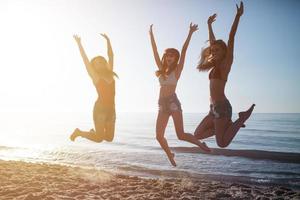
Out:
{"x": 215, "y": 73}
{"x": 106, "y": 90}
{"x": 168, "y": 79}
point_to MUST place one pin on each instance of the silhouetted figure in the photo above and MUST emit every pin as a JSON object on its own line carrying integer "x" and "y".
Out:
{"x": 218, "y": 58}
{"x": 102, "y": 75}
{"x": 169, "y": 71}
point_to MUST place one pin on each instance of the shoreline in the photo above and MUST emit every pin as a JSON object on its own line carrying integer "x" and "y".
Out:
{"x": 23, "y": 180}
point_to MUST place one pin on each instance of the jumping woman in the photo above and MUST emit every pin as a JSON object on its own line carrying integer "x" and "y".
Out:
{"x": 169, "y": 71}
{"x": 102, "y": 75}
{"x": 218, "y": 58}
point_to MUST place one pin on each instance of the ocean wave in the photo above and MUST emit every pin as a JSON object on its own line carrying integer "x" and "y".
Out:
{"x": 6, "y": 148}
{"x": 284, "y": 173}
{"x": 185, "y": 175}
{"x": 286, "y": 157}
{"x": 271, "y": 131}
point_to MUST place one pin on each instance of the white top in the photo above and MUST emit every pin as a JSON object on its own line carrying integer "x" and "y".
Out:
{"x": 168, "y": 80}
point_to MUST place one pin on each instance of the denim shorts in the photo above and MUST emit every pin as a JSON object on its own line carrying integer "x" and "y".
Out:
{"x": 221, "y": 109}
{"x": 169, "y": 104}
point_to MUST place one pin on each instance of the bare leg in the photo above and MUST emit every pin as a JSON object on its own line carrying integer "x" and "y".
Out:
{"x": 95, "y": 136}
{"x": 206, "y": 134}
{"x": 109, "y": 131}
{"x": 243, "y": 126}
{"x": 226, "y": 130}
{"x": 90, "y": 135}
{"x": 75, "y": 134}
{"x": 161, "y": 123}
{"x": 221, "y": 125}
{"x": 178, "y": 122}
{"x": 206, "y": 128}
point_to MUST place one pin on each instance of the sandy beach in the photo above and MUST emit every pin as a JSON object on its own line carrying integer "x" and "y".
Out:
{"x": 21, "y": 180}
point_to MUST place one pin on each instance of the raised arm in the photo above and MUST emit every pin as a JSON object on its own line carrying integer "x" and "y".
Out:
{"x": 109, "y": 52}
{"x": 210, "y": 20}
{"x": 154, "y": 48}
{"x": 239, "y": 13}
{"x": 193, "y": 28}
{"x": 85, "y": 59}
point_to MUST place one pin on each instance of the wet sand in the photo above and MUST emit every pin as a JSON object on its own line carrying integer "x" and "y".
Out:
{"x": 30, "y": 181}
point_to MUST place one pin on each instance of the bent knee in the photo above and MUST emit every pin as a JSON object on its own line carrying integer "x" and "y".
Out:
{"x": 109, "y": 136}
{"x": 109, "y": 139}
{"x": 159, "y": 137}
{"x": 98, "y": 139}
{"x": 221, "y": 144}
{"x": 181, "y": 136}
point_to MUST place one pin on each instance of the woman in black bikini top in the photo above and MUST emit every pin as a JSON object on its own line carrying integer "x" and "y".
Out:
{"x": 218, "y": 58}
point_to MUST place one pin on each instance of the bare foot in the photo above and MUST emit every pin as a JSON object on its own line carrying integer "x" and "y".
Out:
{"x": 243, "y": 116}
{"x": 204, "y": 147}
{"x": 92, "y": 130}
{"x": 74, "y": 134}
{"x": 171, "y": 159}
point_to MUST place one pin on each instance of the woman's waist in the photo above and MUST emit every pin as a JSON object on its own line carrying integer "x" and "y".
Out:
{"x": 218, "y": 99}
{"x": 217, "y": 83}
{"x": 105, "y": 101}
{"x": 217, "y": 93}
{"x": 166, "y": 91}
{"x": 168, "y": 99}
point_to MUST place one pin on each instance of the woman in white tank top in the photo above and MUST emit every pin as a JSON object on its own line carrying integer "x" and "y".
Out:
{"x": 169, "y": 71}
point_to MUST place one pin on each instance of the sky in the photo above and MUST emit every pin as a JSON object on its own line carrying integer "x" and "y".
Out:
{"x": 41, "y": 68}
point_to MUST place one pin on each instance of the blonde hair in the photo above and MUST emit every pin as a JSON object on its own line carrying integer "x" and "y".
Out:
{"x": 105, "y": 71}
{"x": 205, "y": 63}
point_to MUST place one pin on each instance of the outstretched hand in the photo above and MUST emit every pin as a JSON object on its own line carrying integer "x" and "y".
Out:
{"x": 240, "y": 10}
{"x": 104, "y": 35}
{"x": 211, "y": 19}
{"x": 77, "y": 39}
{"x": 193, "y": 27}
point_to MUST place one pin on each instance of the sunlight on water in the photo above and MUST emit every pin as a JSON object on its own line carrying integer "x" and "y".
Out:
{"x": 21, "y": 154}
{"x": 45, "y": 138}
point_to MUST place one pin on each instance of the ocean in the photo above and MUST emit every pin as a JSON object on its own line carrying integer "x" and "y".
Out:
{"x": 266, "y": 152}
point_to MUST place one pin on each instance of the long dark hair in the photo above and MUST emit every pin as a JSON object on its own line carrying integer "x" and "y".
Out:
{"x": 205, "y": 64}
{"x": 166, "y": 70}
{"x": 104, "y": 72}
